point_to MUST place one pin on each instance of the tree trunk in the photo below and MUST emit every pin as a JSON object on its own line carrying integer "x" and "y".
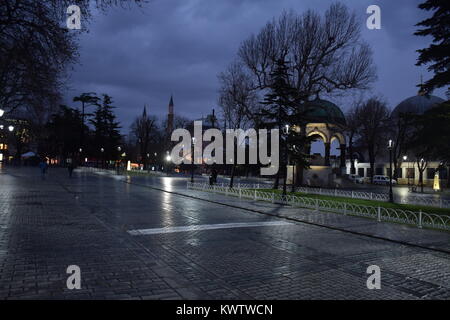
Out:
{"x": 395, "y": 164}
{"x": 448, "y": 177}
{"x": 350, "y": 151}
{"x": 294, "y": 178}
{"x": 372, "y": 170}
{"x": 421, "y": 180}
{"x": 299, "y": 175}
{"x": 372, "y": 162}
{"x": 284, "y": 180}
{"x": 233, "y": 169}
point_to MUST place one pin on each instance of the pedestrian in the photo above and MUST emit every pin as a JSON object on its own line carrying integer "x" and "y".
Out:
{"x": 214, "y": 176}
{"x": 43, "y": 168}
{"x": 70, "y": 166}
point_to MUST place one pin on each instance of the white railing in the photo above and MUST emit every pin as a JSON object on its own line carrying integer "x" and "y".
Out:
{"x": 345, "y": 193}
{"x": 424, "y": 201}
{"x": 427, "y": 201}
{"x": 419, "y": 219}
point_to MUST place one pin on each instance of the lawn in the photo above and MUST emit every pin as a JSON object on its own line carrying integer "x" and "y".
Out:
{"x": 373, "y": 203}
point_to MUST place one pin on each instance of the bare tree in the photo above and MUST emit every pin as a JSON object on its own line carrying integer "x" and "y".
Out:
{"x": 144, "y": 130}
{"x": 372, "y": 118}
{"x": 403, "y": 130}
{"x": 35, "y": 50}
{"x": 238, "y": 101}
{"x": 326, "y": 54}
{"x": 352, "y": 128}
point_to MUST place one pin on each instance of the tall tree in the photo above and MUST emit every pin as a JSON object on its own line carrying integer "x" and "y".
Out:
{"x": 437, "y": 55}
{"x": 373, "y": 119}
{"x": 238, "y": 102}
{"x": 106, "y": 132}
{"x": 86, "y": 99}
{"x": 63, "y": 133}
{"x": 280, "y": 102}
{"x": 432, "y": 135}
{"x": 36, "y": 48}
{"x": 352, "y": 129}
{"x": 145, "y": 131}
{"x": 326, "y": 54}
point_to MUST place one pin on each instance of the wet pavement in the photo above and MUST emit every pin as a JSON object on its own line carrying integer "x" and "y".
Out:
{"x": 133, "y": 241}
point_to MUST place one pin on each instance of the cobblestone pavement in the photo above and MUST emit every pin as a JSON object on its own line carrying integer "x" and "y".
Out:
{"x": 47, "y": 225}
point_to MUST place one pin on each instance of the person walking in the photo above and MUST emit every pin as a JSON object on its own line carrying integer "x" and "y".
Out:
{"x": 43, "y": 166}
{"x": 70, "y": 166}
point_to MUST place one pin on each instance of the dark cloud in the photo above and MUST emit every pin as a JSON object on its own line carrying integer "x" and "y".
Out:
{"x": 143, "y": 55}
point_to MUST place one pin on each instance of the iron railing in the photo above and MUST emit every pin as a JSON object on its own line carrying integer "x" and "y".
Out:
{"x": 424, "y": 201}
{"x": 419, "y": 219}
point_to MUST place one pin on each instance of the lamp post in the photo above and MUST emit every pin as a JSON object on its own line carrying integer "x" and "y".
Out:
{"x": 293, "y": 170}
{"x": 285, "y": 160}
{"x": 421, "y": 169}
{"x": 192, "y": 159}
{"x": 102, "y": 150}
{"x": 118, "y": 160}
{"x": 391, "y": 195}
{"x": 2, "y": 112}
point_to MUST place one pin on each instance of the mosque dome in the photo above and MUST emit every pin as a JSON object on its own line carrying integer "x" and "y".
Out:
{"x": 417, "y": 105}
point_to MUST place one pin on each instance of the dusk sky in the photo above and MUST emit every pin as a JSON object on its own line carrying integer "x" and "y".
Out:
{"x": 143, "y": 55}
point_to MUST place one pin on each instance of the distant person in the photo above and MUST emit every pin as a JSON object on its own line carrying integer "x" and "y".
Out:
{"x": 70, "y": 166}
{"x": 213, "y": 178}
{"x": 43, "y": 166}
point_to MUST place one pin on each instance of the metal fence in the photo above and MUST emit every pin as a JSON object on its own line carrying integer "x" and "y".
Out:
{"x": 427, "y": 201}
{"x": 419, "y": 219}
{"x": 424, "y": 201}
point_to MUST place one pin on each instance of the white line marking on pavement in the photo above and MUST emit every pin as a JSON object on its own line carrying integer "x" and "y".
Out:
{"x": 141, "y": 232}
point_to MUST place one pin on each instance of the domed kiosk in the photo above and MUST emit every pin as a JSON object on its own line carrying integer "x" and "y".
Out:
{"x": 327, "y": 121}
{"x": 324, "y": 121}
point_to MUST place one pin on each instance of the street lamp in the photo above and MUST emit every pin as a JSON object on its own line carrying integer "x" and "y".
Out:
{"x": 293, "y": 170}
{"x": 391, "y": 195}
{"x": 286, "y": 132}
{"x": 102, "y": 150}
{"x": 407, "y": 169}
{"x": 2, "y": 112}
{"x": 10, "y": 128}
{"x": 192, "y": 160}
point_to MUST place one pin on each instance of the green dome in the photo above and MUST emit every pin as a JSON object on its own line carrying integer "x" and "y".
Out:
{"x": 323, "y": 111}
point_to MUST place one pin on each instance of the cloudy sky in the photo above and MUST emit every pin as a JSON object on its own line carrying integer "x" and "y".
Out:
{"x": 143, "y": 55}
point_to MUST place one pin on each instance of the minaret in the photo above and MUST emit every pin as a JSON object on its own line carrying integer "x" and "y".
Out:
{"x": 170, "y": 117}
{"x": 421, "y": 91}
{"x": 144, "y": 113}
